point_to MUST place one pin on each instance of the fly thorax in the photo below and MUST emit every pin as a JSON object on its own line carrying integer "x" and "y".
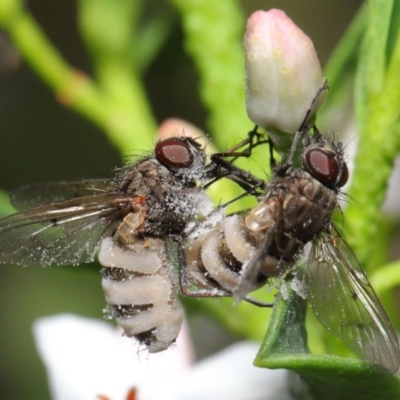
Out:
{"x": 307, "y": 206}
{"x": 179, "y": 208}
{"x": 140, "y": 178}
{"x": 148, "y": 178}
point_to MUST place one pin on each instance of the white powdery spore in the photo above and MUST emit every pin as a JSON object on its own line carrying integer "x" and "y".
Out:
{"x": 202, "y": 203}
{"x": 203, "y": 227}
{"x": 300, "y": 287}
{"x": 283, "y": 291}
{"x": 216, "y": 216}
{"x": 190, "y": 205}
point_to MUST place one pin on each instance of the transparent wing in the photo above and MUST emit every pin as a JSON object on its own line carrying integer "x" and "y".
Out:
{"x": 345, "y": 303}
{"x": 65, "y": 233}
{"x": 41, "y": 194}
{"x": 253, "y": 266}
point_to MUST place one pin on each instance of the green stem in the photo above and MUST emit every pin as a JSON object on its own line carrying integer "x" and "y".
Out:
{"x": 71, "y": 87}
{"x": 214, "y": 33}
{"x": 126, "y": 119}
{"x": 379, "y": 143}
{"x": 387, "y": 277}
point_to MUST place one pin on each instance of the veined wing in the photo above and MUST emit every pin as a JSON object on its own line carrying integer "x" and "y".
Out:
{"x": 345, "y": 303}
{"x": 253, "y": 266}
{"x": 66, "y": 233}
{"x": 41, "y": 194}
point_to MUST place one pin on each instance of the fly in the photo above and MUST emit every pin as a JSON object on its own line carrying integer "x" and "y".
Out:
{"x": 240, "y": 253}
{"x": 128, "y": 218}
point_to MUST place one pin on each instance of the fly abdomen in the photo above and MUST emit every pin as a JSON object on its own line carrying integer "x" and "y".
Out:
{"x": 139, "y": 291}
{"x": 218, "y": 255}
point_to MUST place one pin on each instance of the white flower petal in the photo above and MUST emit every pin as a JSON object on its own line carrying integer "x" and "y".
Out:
{"x": 86, "y": 358}
{"x": 231, "y": 375}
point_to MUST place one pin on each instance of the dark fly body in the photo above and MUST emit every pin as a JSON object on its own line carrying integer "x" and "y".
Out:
{"x": 240, "y": 253}
{"x": 128, "y": 219}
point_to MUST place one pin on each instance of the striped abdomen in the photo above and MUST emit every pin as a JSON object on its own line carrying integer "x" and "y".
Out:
{"x": 139, "y": 291}
{"x": 295, "y": 209}
{"x": 214, "y": 259}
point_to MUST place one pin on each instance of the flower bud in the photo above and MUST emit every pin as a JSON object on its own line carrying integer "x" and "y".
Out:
{"x": 173, "y": 127}
{"x": 283, "y": 73}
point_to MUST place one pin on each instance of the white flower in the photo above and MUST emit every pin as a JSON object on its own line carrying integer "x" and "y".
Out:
{"x": 230, "y": 374}
{"x": 283, "y": 73}
{"x": 86, "y": 359}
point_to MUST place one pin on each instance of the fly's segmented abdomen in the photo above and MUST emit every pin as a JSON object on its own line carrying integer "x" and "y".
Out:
{"x": 139, "y": 291}
{"x": 215, "y": 258}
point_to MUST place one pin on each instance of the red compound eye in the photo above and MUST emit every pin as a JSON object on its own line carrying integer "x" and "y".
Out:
{"x": 324, "y": 166}
{"x": 174, "y": 153}
{"x": 345, "y": 176}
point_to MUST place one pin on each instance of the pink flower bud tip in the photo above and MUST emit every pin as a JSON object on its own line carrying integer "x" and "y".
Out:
{"x": 283, "y": 73}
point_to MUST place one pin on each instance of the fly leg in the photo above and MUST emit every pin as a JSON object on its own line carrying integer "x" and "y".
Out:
{"x": 253, "y": 140}
{"x": 220, "y": 167}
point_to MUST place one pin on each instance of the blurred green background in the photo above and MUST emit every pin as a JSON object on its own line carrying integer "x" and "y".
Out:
{"x": 41, "y": 141}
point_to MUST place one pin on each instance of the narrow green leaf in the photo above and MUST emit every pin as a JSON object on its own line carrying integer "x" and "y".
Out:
{"x": 213, "y": 38}
{"x": 214, "y": 34}
{"x": 386, "y": 277}
{"x": 286, "y": 332}
{"x": 5, "y": 205}
{"x": 372, "y": 56}
{"x": 150, "y": 38}
{"x": 323, "y": 376}
{"x": 377, "y": 106}
{"x": 108, "y": 26}
{"x": 109, "y": 29}
{"x": 374, "y": 49}
{"x": 340, "y": 69}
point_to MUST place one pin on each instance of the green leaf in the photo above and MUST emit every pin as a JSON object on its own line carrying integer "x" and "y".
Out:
{"x": 377, "y": 110}
{"x": 5, "y": 205}
{"x": 214, "y": 34}
{"x": 286, "y": 334}
{"x": 340, "y": 72}
{"x": 387, "y": 277}
{"x": 323, "y": 376}
{"x": 151, "y": 37}
{"x": 213, "y": 38}
{"x": 375, "y": 44}
{"x": 109, "y": 28}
